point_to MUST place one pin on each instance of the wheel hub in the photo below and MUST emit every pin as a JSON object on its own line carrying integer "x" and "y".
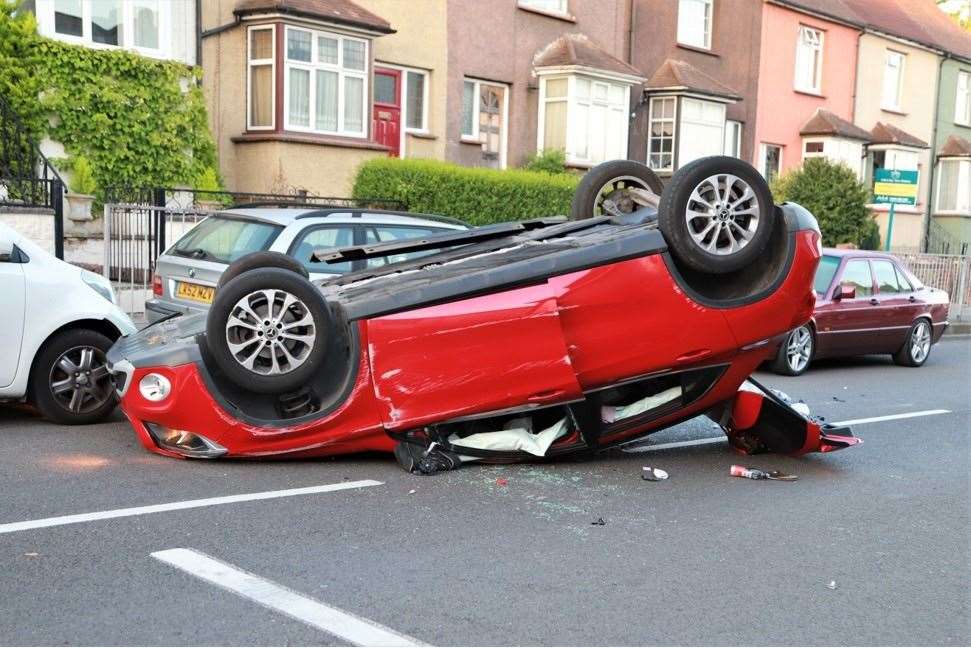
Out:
{"x": 722, "y": 214}
{"x": 270, "y": 332}
{"x": 79, "y": 380}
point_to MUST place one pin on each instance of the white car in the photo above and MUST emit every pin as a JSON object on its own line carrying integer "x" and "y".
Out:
{"x": 57, "y": 323}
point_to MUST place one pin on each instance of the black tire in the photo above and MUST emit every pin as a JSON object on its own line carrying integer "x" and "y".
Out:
{"x": 716, "y": 228}
{"x": 910, "y": 354}
{"x": 256, "y": 260}
{"x": 54, "y": 386}
{"x": 786, "y": 363}
{"x": 268, "y": 374}
{"x": 587, "y": 199}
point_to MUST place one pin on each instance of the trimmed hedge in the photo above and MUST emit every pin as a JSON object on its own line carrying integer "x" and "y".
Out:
{"x": 475, "y": 195}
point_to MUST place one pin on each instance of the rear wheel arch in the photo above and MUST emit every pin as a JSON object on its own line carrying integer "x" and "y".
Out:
{"x": 104, "y": 327}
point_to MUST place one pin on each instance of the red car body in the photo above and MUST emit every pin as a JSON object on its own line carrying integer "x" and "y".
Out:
{"x": 877, "y": 318}
{"x": 554, "y": 342}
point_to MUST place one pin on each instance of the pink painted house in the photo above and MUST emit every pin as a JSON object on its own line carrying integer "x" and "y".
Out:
{"x": 807, "y": 70}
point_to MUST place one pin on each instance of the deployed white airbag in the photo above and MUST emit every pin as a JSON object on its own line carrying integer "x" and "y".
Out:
{"x": 516, "y": 435}
{"x": 610, "y": 413}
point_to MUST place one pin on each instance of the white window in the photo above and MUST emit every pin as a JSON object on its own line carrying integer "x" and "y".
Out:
{"x": 837, "y": 149}
{"x": 485, "y": 113}
{"x": 809, "y": 60}
{"x": 702, "y": 131}
{"x": 325, "y": 83}
{"x": 261, "y": 88}
{"x": 733, "y": 138}
{"x": 416, "y": 101}
{"x": 694, "y": 23}
{"x": 771, "y": 161}
{"x": 895, "y": 158}
{"x": 962, "y": 105}
{"x": 954, "y": 186}
{"x": 470, "y": 125}
{"x": 660, "y": 138}
{"x": 141, "y": 25}
{"x": 893, "y": 76}
{"x": 548, "y": 6}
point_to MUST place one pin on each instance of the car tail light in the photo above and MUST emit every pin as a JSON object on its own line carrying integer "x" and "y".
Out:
{"x": 156, "y": 285}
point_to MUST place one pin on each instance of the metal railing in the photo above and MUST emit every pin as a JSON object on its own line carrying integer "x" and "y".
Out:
{"x": 939, "y": 240}
{"x": 950, "y": 272}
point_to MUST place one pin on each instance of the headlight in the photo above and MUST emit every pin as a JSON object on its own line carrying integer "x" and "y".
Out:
{"x": 154, "y": 387}
{"x": 99, "y": 284}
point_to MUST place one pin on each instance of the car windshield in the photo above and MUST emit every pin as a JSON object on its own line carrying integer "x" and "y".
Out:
{"x": 225, "y": 239}
{"x": 824, "y": 273}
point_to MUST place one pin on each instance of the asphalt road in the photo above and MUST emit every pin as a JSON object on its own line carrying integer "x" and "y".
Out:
{"x": 869, "y": 546}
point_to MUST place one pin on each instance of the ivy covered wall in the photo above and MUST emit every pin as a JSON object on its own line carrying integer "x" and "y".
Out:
{"x": 139, "y": 121}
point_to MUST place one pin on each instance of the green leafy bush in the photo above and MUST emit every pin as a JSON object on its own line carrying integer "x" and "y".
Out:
{"x": 139, "y": 121}
{"x": 552, "y": 161}
{"x": 208, "y": 181}
{"x": 82, "y": 178}
{"x": 475, "y": 195}
{"x": 831, "y": 191}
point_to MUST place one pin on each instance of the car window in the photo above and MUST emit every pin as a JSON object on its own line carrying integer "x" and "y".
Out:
{"x": 886, "y": 276}
{"x": 902, "y": 280}
{"x": 327, "y": 237}
{"x": 225, "y": 239}
{"x": 857, "y": 273}
{"x": 386, "y": 233}
{"x": 824, "y": 273}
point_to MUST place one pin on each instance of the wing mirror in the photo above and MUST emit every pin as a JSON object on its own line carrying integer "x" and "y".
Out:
{"x": 6, "y": 250}
{"x": 845, "y": 291}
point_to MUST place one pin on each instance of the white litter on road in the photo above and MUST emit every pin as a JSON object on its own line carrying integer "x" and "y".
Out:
{"x": 11, "y": 527}
{"x": 720, "y": 439}
{"x": 357, "y": 630}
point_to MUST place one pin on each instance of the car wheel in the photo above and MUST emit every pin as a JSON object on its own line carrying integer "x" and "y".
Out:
{"x": 69, "y": 381}
{"x": 917, "y": 348}
{"x": 261, "y": 260}
{"x": 606, "y": 190}
{"x": 717, "y": 214}
{"x": 267, "y": 330}
{"x": 795, "y": 353}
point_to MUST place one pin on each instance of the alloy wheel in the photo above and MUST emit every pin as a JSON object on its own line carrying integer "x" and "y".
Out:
{"x": 615, "y": 196}
{"x": 799, "y": 349}
{"x": 920, "y": 342}
{"x": 722, "y": 214}
{"x": 270, "y": 332}
{"x": 79, "y": 380}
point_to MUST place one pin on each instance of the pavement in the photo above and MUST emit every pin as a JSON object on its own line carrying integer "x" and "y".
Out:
{"x": 870, "y": 546}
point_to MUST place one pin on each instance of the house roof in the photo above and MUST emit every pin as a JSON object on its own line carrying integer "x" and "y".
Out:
{"x": 824, "y": 122}
{"x": 675, "y": 74}
{"x": 889, "y": 134}
{"x": 580, "y": 50}
{"x": 955, "y": 147}
{"x": 834, "y": 9}
{"x": 341, "y": 12}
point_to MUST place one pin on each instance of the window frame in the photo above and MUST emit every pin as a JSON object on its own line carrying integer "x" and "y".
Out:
{"x": 763, "y": 157}
{"x": 312, "y": 67}
{"x": 874, "y": 264}
{"x": 475, "y": 137}
{"x": 707, "y": 27}
{"x": 563, "y": 11}
{"x": 866, "y": 264}
{"x": 423, "y": 130}
{"x": 45, "y": 11}
{"x": 250, "y": 63}
{"x": 964, "y": 164}
{"x": 733, "y": 127}
{"x": 901, "y": 70}
{"x": 966, "y": 76}
{"x": 674, "y": 132}
{"x": 818, "y": 50}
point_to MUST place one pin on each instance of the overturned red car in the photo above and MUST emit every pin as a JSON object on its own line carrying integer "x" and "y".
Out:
{"x": 506, "y": 342}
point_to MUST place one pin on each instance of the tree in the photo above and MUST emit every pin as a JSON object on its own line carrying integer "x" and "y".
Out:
{"x": 831, "y": 191}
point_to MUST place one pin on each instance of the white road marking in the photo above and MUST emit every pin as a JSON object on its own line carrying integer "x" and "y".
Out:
{"x": 11, "y": 527}
{"x": 355, "y": 629}
{"x": 706, "y": 441}
{"x": 893, "y": 417}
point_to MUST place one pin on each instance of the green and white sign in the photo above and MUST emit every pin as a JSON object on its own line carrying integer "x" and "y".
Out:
{"x": 894, "y": 187}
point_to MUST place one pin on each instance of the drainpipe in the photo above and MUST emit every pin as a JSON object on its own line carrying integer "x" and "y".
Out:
{"x": 930, "y": 176}
{"x": 199, "y": 33}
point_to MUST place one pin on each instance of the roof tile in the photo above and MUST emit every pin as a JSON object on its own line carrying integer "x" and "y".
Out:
{"x": 343, "y": 12}
{"x": 824, "y": 122}
{"x": 955, "y": 147}
{"x": 889, "y": 134}
{"x": 680, "y": 74}
{"x": 579, "y": 49}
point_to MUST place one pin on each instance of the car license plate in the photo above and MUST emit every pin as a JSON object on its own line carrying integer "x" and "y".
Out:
{"x": 195, "y": 292}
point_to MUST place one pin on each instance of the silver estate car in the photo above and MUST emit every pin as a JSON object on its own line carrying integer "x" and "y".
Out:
{"x": 186, "y": 274}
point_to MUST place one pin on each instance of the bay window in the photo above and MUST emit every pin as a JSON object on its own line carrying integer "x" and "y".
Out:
{"x": 142, "y": 25}
{"x": 962, "y": 104}
{"x": 325, "y": 83}
{"x": 694, "y": 23}
{"x": 702, "y": 130}
{"x": 893, "y": 76}
{"x": 261, "y": 88}
{"x": 954, "y": 186}
{"x": 585, "y": 117}
{"x": 660, "y": 139}
{"x": 809, "y": 60}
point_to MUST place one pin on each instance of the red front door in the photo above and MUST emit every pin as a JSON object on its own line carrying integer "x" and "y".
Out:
{"x": 386, "y": 124}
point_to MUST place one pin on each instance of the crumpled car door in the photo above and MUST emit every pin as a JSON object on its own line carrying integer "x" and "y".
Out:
{"x": 478, "y": 355}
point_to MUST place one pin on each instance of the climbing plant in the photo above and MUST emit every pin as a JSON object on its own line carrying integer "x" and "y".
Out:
{"x": 139, "y": 121}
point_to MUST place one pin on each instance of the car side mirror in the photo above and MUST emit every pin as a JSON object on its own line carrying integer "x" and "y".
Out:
{"x": 846, "y": 291}
{"x": 6, "y": 250}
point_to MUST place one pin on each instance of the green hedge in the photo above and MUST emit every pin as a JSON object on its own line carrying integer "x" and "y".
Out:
{"x": 477, "y": 196}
